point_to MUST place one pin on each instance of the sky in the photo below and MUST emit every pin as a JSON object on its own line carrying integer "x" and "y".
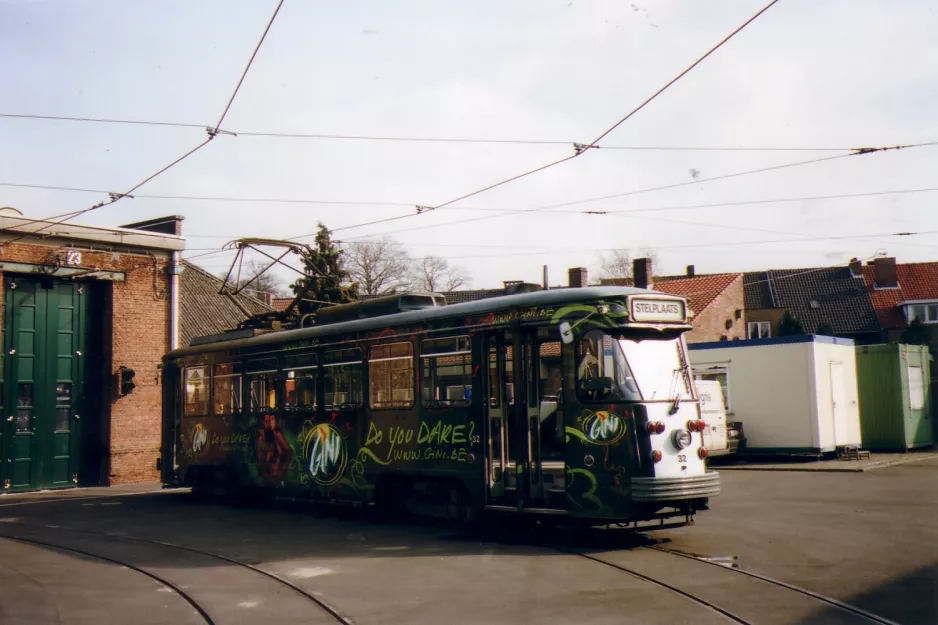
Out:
{"x": 829, "y": 74}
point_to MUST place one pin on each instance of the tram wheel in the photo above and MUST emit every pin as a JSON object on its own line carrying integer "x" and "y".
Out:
{"x": 460, "y": 511}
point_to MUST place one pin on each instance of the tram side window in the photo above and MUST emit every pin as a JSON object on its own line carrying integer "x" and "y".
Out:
{"x": 446, "y": 371}
{"x": 227, "y": 388}
{"x": 300, "y": 382}
{"x": 550, "y": 384}
{"x": 342, "y": 379}
{"x": 197, "y": 391}
{"x": 262, "y": 384}
{"x": 602, "y": 371}
{"x": 494, "y": 381}
{"x": 391, "y": 375}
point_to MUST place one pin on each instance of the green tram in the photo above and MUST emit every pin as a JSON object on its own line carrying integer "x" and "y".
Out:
{"x": 570, "y": 402}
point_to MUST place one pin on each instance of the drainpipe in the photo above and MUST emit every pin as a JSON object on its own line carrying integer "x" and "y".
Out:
{"x": 175, "y": 269}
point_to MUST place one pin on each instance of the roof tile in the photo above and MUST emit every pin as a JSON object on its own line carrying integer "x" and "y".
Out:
{"x": 825, "y": 294}
{"x": 204, "y": 310}
{"x": 916, "y": 281}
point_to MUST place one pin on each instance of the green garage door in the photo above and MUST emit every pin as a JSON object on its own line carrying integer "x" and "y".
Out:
{"x": 44, "y": 335}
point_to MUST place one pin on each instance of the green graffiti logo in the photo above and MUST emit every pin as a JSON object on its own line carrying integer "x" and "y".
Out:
{"x": 604, "y": 428}
{"x": 327, "y": 454}
{"x": 598, "y": 428}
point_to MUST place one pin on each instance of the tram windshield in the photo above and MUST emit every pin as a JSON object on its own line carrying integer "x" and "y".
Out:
{"x": 616, "y": 368}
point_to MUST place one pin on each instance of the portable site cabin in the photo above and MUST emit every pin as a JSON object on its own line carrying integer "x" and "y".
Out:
{"x": 713, "y": 412}
{"x": 895, "y": 396}
{"x": 794, "y": 394}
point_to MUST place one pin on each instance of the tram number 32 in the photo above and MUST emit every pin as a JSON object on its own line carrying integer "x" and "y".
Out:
{"x": 682, "y": 458}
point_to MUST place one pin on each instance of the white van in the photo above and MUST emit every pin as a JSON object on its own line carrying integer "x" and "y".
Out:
{"x": 713, "y": 412}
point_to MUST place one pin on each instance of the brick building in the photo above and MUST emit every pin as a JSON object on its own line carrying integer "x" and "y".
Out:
{"x": 85, "y": 308}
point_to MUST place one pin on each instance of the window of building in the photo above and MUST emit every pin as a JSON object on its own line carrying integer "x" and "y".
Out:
{"x": 299, "y": 383}
{"x": 758, "y": 329}
{"x": 446, "y": 371}
{"x": 391, "y": 375}
{"x": 227, "y": 388}
{"x": 197, "y": 391}
{"x": 262, "y": 384}
{"x": 342, "y": 379}
{"x": 717, "y": 373}
{"x": 925, "y": 312}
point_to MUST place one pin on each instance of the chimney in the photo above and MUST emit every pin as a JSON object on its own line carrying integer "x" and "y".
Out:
{"x": 641, "y": 273}
{"x": 690, "y": 271}
{"x": 884, "y": 269}
{"x": 576, "y": 277}
{"x": 856, "y": 268}
{"x": 544, "y": 282}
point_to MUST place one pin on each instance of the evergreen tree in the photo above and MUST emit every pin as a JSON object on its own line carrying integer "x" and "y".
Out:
{"x": 789, "y": 325}
{"x": 327, "y": 280}
{"x": 916, "y": 334}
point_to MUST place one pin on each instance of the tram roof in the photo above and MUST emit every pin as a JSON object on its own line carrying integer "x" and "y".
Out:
{"x": 493, "y": 304}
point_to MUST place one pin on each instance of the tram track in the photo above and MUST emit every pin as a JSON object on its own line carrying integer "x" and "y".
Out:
{"x": 848, "y": 613}
{"x": 657, "y": 582}
{"x": 157, "y": 578}
{"x": 333, "y": 613}
{"x": 846, "y": 607}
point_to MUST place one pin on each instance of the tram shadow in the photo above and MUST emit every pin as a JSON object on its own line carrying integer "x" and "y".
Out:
{"x": 279, "y": 531}
{"x": 910, "y": 599}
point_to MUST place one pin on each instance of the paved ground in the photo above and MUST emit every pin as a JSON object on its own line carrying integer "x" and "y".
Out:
{"x": 869, "y": 539}
{"x": 871, "y": 463}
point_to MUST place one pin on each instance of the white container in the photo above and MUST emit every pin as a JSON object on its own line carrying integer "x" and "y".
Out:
{"x": 714, "y": 413}
{"x": 792, "y": 394}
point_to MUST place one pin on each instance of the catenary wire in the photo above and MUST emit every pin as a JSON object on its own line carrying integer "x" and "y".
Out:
{"x": 580, "y": 150}
{"x": 636, "y": 191}
{"x": 406, "y": 139}
{"x": 208, "y": 198}
{"x": 116, "y": 197}
{"x": 726, "y": 243}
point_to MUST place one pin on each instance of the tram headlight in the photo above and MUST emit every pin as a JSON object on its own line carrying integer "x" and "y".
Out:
{"x": 681, "y": 439}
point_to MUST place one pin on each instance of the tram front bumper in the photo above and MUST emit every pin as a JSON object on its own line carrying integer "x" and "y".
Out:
{"x": 675, "y": 488}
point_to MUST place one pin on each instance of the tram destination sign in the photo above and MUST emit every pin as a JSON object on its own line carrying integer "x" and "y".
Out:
{"x": 646, "y": 309}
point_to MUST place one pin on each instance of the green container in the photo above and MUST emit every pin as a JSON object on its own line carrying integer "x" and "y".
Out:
{"x": 894, "y": 387}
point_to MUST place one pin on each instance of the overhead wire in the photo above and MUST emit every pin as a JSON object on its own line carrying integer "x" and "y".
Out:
{"x": 579, "y": 150}
{"x": 722, "y": 244}
{"x": 212, "y": 133}
{"x": 601, "y": 198}
{"x": 410, "y": 139}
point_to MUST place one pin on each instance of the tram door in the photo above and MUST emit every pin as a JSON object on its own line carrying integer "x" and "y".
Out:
{"x": 516, "y": 452}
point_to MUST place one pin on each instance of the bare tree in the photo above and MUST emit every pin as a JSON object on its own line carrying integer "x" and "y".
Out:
{"x": 267, "y": 282}
{"x": 379, "y": 266}
{"x": 618, "y": 263}
{"x": 615, "y": 264}
{"x": 432, "y": 273}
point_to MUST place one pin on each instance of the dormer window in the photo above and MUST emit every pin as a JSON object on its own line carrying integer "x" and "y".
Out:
{"x": 924, "y": 311}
